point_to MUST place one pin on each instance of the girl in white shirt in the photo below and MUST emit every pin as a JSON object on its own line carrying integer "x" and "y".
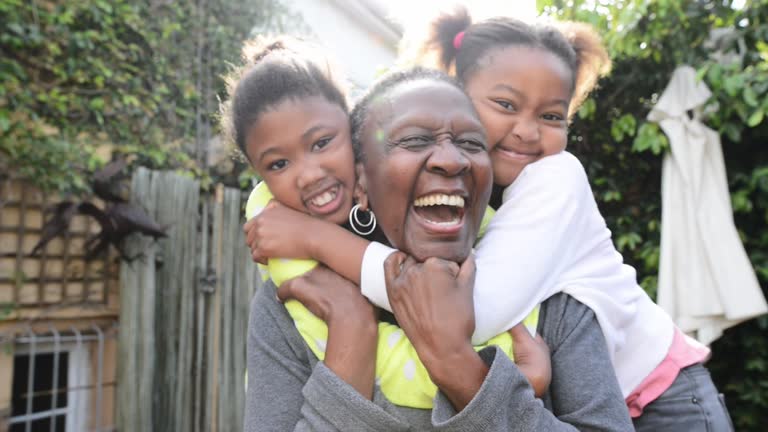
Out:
{"x": 548, "y": 235}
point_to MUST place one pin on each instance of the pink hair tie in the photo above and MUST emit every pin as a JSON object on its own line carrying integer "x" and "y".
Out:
{"x": 458, "y": 39}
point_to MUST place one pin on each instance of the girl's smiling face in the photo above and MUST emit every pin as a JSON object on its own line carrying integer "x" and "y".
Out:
{"x": 427, "y": 170}
{"x": 521, "y": 95}
{"x": 303, "y": 151}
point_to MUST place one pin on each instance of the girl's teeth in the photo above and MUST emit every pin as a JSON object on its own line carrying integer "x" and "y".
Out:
{"x": 323, "y": 198}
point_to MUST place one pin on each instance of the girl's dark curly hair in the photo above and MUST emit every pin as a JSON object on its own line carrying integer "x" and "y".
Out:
{"x": 273, "y": 71}
{"x": 576, "y": 44}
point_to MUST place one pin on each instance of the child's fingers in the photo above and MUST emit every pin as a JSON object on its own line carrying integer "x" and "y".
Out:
{"x": 248, "y": 225}
{"x": 251, "y": 234}
{"x": 285, "y": 292}
{"x": 257, "y": 257}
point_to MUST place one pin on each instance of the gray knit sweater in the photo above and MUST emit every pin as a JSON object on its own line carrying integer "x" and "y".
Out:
{"x": 289, "y": 389}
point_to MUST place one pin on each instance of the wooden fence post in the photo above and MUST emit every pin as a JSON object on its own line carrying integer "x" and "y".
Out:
{"x": 185, "y": 315}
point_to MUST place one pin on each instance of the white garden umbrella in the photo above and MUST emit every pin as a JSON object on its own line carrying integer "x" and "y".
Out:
{"x": 706, "y": 282}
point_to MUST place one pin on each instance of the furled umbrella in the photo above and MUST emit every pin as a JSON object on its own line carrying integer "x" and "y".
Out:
{"x": 706, "y": 281}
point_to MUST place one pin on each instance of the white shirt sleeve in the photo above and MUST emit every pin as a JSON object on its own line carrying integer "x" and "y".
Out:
{"x": 372, "y": 282}
{"x": 530, "y": 242}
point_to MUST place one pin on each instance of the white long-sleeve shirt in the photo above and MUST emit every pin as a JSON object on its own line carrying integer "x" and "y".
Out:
{"x": 548, "y": 236}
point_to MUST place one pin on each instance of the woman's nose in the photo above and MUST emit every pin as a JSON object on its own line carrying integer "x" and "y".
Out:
{"x": 448, "y": 160}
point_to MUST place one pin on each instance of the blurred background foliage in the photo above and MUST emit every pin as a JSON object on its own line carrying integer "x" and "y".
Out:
{"x": 84, "y": 80}
{"x": 623, "y": 152}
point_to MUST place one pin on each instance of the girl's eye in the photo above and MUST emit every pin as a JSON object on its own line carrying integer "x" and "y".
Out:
{"x": 553, "y": 117}
{"x": 278, "y": 165}
{"x": 321, "y": 143}
{"x": 505, "y": 105}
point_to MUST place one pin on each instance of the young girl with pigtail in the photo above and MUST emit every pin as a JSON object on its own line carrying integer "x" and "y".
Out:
{"x": 288, "y": 115}
{"x": 547, "y": 236}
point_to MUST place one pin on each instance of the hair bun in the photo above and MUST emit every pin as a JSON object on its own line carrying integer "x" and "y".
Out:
{"x": 437, "y": 46}
{"x": 274, "y": 46}
{"x": 256, "y": 50}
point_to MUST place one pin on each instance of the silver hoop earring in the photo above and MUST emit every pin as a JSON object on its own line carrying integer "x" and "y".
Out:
{"x": 364, "y": 228}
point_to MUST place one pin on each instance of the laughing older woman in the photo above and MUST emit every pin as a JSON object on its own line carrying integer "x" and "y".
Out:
{"x": 419, "y": 135}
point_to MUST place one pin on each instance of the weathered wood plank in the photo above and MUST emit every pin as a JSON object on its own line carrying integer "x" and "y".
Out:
{"x": 137, "y": 319}
{"x": 183, "y": 334}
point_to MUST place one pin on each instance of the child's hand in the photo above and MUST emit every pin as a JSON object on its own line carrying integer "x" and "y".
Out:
{"x": 329, "y": 296}
{"x": 532, "y": 358}
{"x": 278, "y": 231}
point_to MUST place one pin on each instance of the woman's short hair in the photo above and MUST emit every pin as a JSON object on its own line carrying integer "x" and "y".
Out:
{"x": 360, "y": 111}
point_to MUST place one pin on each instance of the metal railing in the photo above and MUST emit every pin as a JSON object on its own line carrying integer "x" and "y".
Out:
{"x": 84, "y": 390}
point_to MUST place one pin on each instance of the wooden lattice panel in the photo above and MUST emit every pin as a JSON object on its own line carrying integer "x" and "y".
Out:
{"x": 59, "y": 274}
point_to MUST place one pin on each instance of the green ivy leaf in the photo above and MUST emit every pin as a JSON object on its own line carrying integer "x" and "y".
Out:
{"x": 750, "y": 97}
{"x": 623, "y": 126}
{"x": 741, "y": 202}
{"x": 732, "y": 131}
{"x": 587, "y": 109}
{"x": 650, "y": 137}
{"x": 628, "y": 241}
{"x": 756, "y": 118}
{"x": 733, "y": 84}
{"x": 96, "y": 104}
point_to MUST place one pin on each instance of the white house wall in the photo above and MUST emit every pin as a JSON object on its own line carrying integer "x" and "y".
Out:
{"x": 355, "y": 37}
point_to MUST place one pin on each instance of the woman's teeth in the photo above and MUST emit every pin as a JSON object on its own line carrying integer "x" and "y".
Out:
{"x": 439, "y": 199}
{"x": 440, "y": 209}
{"x": 324, "y": 198}
{"x": 451, "y": 222}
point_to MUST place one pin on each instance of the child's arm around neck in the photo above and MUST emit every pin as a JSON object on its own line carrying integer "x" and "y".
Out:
{"x": 279, "y": 231}
{"x": 338, "y": 249}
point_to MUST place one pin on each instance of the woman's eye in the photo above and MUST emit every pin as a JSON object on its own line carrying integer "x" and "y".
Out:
{"x": 278, "y": 165}
{"x": 471, "y": 145}
{"x": 321, "y": 143}
{"x": 505, "y": 104}
{"x": 415, "y": 141}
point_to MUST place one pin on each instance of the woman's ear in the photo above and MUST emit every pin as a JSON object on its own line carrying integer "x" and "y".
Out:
{"x": 361, "y": 187}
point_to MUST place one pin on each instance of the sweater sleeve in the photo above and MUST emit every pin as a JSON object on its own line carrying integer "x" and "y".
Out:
{"x": 529, "y": 242}
{"x": 285, "y": 393}
{"x": 585, "y": 394}
{"x": 584, "y": 390}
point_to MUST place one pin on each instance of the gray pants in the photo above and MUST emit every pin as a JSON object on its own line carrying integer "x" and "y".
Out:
{"x": 691, "y": 404}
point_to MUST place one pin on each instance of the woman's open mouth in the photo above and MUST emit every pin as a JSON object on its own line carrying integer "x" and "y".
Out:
{"x": 326, "y": 201}
{"x": 442, "y": 213}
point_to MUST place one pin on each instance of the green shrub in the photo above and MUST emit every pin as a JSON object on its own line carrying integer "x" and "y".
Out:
{"x": 143, "y": 77}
